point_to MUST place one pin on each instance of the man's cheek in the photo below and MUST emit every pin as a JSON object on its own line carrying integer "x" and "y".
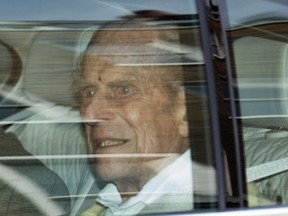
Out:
{"x": 89, "y": 141}
{"x": 135, "y": 117}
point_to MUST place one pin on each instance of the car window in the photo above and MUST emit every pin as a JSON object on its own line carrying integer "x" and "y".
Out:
{"x": 107, "y": 91}
{"x": 258, "y": 40}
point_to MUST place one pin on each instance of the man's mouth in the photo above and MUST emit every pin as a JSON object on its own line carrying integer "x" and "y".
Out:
{"x": 106, "y": 143}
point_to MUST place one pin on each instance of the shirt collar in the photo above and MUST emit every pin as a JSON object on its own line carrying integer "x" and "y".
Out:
{"x": 166, "y": 181}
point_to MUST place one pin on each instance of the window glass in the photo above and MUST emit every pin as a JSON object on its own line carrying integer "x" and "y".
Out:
{"x": 258, "y": 37}
{"x": 109, "y": 107}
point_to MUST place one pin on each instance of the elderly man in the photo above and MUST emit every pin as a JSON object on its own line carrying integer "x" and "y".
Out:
{"x": 133, "y": 106}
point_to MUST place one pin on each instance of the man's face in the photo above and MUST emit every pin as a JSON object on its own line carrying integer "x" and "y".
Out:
{"x": 128, "y": 116}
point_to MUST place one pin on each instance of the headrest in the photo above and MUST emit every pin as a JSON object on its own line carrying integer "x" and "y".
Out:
{"x": 49, "y": 67}
{"x": 262, "y": 80}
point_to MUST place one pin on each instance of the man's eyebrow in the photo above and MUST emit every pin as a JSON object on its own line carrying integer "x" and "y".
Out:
{"x": 82, "y": 83}
{"x": 129, "y": 75}
{"x": 123, "y": 81}
{"x": 117, "y": 83}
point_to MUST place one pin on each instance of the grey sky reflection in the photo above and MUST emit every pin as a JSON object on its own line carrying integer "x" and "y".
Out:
{"x": 98, "y": 10}
{"x": 86, "y": 9}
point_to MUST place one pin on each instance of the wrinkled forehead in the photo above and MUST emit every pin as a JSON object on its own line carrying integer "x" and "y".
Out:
{"x": 154, "y": 51}
{"x": 136, "y": 46}
{"x": 94, "y": 66}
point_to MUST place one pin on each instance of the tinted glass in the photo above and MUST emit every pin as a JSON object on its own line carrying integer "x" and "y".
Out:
{"x": 108, "y": 105}
{"x": 258, "y": 37}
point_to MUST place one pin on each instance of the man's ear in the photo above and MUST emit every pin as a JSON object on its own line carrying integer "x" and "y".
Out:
{"x": 182, "y": 116}
{"x": 183, "y": 126}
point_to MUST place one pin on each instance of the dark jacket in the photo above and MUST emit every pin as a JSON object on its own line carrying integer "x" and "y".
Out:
{"x": 27, "y": 186}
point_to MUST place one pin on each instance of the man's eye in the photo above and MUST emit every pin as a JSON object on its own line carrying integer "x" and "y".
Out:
{"x": 123, "y": 92}
{"x": 89, "y": 92}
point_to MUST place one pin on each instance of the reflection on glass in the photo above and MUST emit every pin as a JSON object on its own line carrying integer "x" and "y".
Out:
{"x": 259, "y": 43}
{"x": 118, "y": 110}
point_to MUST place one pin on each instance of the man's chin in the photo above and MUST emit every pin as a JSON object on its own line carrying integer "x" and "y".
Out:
{"x": 108, "y": 176}
{"x": 111, "y": 170}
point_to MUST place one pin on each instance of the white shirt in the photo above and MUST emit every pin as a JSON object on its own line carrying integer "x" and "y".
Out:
{"x": 174, "y": 179}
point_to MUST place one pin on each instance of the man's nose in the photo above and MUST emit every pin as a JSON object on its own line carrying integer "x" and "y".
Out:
{"x": 97, "y": 109}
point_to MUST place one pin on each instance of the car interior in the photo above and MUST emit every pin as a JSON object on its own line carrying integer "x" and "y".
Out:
{"x": 35, "y": 58}
{"x": 261, "y": 65}
{"x": 47, "y": 123}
